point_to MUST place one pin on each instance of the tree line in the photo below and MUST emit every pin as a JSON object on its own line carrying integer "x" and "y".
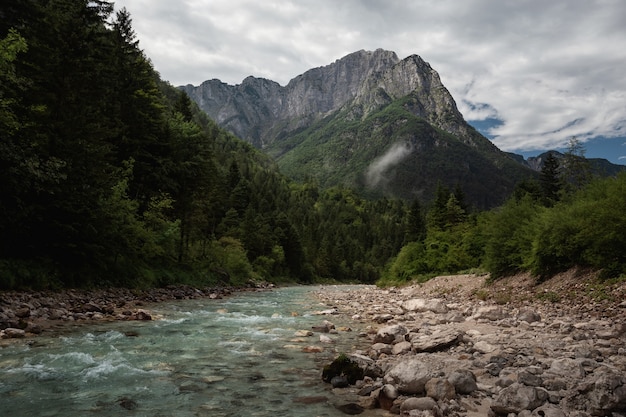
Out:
{"x": 565, "y": 218}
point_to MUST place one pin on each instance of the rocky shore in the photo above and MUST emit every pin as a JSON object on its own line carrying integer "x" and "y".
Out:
{"x": 24, "y": 314}
{"x": 456, "y": 347}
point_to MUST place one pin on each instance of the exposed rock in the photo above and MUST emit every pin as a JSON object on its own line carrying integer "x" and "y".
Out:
{"x": 418, "y": 403}
{"x": 390, "y": 334}
{"x": 439, "y": 340}
{"x": 12, "y": 333}
{"x": 491, "y": 313}
{"x": 409, "y": 376}
{"x": 516, "y": 397}
{"x": 440, "y": 389}
{"x": 420, "y": 305}
{"x": 464, "y": 381}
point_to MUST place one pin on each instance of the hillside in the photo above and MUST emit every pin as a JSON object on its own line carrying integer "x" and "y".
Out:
{"x": 370, "y": 121}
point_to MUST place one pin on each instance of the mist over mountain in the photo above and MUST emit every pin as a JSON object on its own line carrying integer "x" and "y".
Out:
{"x": 370, "y": 121}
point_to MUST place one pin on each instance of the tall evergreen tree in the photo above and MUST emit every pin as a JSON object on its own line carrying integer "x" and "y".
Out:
{"x": 550, "y": 180}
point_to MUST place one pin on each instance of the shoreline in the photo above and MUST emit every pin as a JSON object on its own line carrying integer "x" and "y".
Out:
{"x": 27, "y": 314}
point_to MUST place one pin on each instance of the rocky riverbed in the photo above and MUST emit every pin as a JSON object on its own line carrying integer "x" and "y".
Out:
{"x": 457, "y": 347}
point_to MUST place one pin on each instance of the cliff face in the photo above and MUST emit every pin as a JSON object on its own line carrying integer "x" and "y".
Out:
{"x": 364, "y": 80}
{"x": 370, "y": 121}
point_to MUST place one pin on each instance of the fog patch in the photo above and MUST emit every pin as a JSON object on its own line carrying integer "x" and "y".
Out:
{"x": 375, "y": 174}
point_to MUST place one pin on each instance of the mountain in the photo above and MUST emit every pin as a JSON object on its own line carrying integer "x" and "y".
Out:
{"x": 599, "y": 166}
{"x": 385, "y": 126}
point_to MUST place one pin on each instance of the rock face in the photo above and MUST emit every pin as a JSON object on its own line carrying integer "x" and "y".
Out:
{"x": 253, "y": 108}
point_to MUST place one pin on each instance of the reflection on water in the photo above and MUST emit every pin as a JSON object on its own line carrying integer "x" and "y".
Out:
{"x": 230, "y": 357}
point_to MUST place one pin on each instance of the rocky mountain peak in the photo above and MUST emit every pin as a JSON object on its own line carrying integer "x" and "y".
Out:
{"x": 367, "y": 79}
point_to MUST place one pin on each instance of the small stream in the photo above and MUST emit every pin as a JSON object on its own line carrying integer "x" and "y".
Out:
{"x": 230, "y": 357}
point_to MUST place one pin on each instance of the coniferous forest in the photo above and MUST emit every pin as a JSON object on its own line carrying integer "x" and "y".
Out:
{"x": 110, "y": 176}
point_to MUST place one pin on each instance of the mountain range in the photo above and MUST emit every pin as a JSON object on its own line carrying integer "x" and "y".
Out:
{"x": 369, "y": 121}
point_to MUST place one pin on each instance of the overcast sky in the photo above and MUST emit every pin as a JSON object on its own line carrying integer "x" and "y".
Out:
{"x": 547, "y": 69}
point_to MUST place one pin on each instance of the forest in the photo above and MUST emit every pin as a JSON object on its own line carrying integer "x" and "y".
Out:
{"x": 110, "y": 176}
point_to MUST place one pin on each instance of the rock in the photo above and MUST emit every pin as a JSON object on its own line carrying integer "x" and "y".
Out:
{"x": 528, "y": 315}
{"x": 437, "y": 341}
{"x": 491, "y": 313}
{"x": 401, "y": 348}
{"x": 13, "y": 333}
{"x": 350, "y": 408}
{"x": 484, "y": 347}
{"x": 605, "y": 395}
{"x": 378, "y": 348}
{"x": 517, "y": 397}
{"x": 142, "y": 315}
{"x": 303, "y": 333}
{"x": 339, "y": 381}
{"x": 22, "y": 312}
{"x": 464, "y": 381}
{"x": 419, "y": 305}
{"x": 343, "y": 366}
{"x": 386, "y": 396}
{"x": 440, "y": 389}
{"x": 567, "y": 367}
{"x": 418, "y": 403}
{"x": 548, "y": 410}
{"x": 326, "y": 339}
{"x": 390, "y": 334}
{"x": 312, "y": 349}
{"x": 409, "y": 376}
{"x": 526, "y": 378}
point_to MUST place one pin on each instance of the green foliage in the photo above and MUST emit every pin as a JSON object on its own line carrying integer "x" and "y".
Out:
{"x": 587, "y": 230}
{"x": 509, "y": 236}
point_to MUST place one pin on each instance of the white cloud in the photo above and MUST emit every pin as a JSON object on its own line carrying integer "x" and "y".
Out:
{"x": 375, "y": 174}
{"x": 548, "y": 70}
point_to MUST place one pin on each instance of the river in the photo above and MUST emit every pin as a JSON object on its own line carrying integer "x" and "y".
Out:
{"x": 229, "y": 357}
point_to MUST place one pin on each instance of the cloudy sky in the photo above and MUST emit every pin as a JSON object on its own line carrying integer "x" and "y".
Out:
{"x": 535, "y": 72}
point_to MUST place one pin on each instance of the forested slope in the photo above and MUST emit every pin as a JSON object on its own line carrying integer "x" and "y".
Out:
{"x": 110, "y": 176}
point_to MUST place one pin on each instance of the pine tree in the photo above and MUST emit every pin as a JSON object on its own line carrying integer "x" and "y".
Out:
{"x": 550, "y": 180}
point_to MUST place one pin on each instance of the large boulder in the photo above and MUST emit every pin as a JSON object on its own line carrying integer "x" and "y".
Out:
{"x": 409, "y": 376}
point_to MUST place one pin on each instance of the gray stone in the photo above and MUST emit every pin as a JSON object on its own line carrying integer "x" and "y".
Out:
{"x": 390, "y": 334}
{"x": 409, "y": 376}
{"x": 440, "y": 389}
{"x": 418, "y": 403}
{"x": 464, "y": 381}
{"x": 517, "y": 397}
{"x": 439, "y": 340}
{"x": 13, "y": 333}
{"x": 420, "y": 305}
{"x": 567, "y": 367}
{"x": 492, "y": 313}
{"x": 401, "y": 348}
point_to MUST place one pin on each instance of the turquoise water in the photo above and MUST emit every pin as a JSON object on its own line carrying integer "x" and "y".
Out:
{"x": 231, "y": 357}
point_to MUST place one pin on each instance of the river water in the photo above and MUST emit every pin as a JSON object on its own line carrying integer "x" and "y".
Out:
{"x": 231, "y": 357}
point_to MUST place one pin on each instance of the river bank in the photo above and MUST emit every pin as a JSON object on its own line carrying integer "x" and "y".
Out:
{"x": 458, "y": 347}
{"x": 29, "y": 313}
